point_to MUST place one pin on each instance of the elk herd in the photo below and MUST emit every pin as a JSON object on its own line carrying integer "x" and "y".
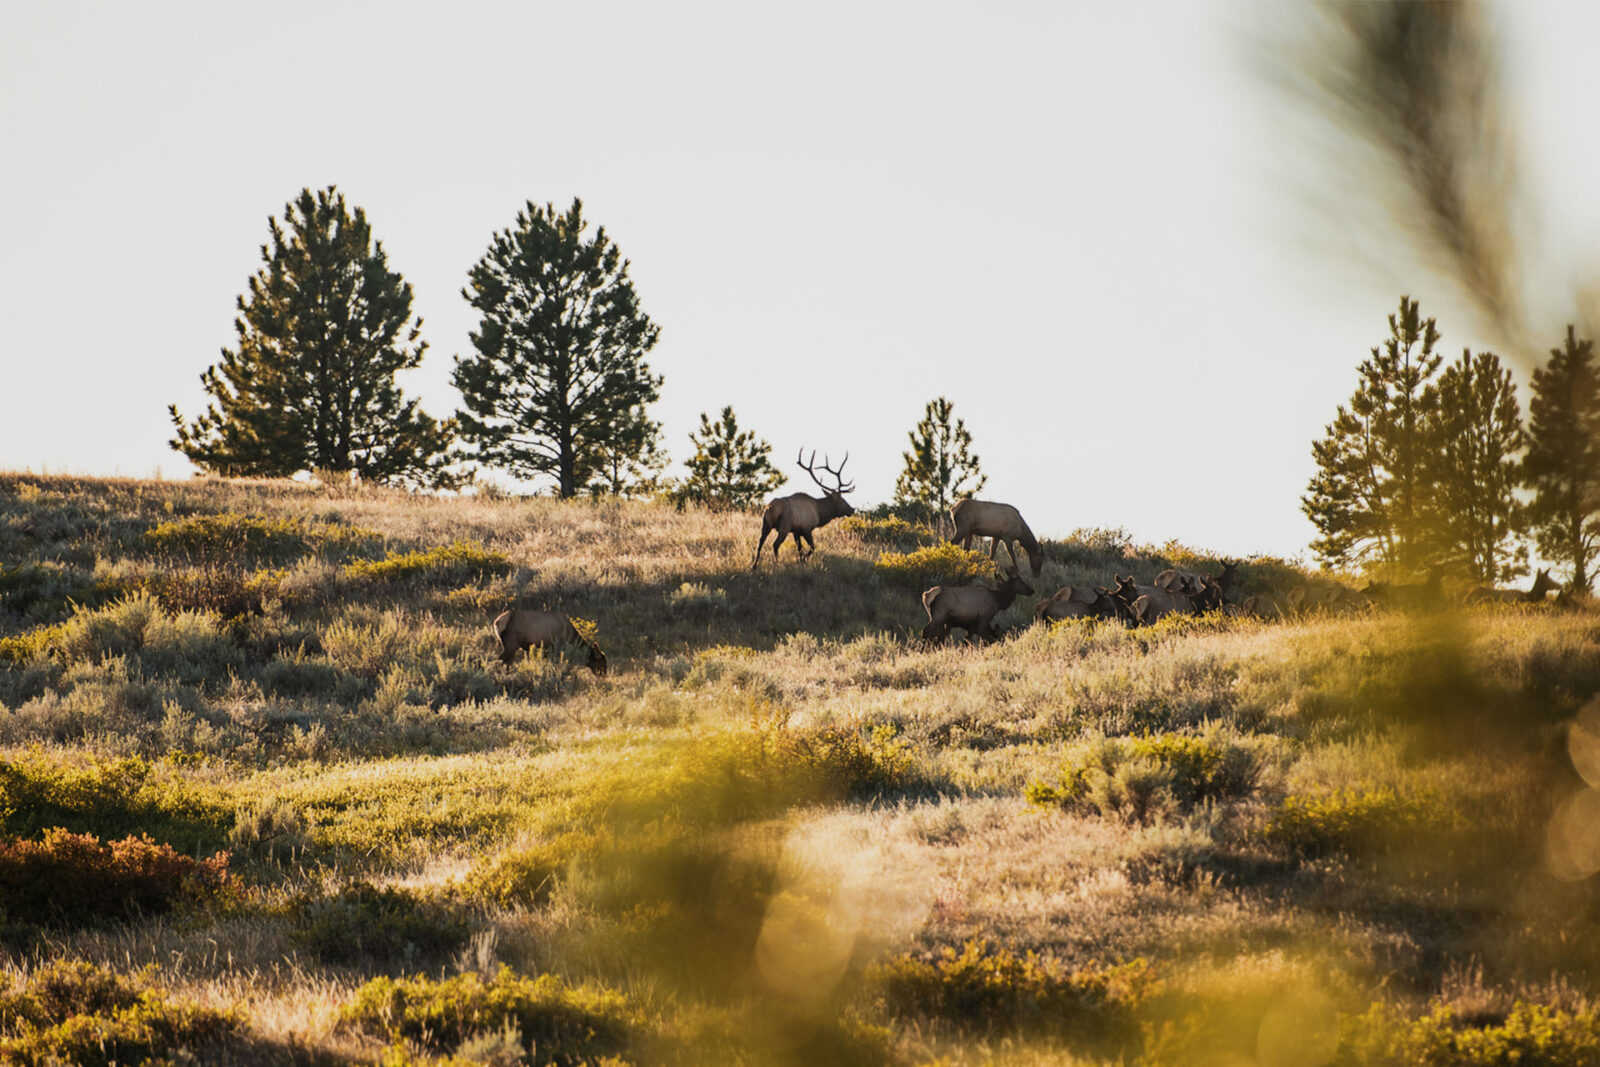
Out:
{"x": 973, "y": 608}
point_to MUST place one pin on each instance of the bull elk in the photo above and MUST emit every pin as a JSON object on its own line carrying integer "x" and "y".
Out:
{"x": 1000, "y": 522}
{"x": 521, "y": 629}
{"x": 800, "y": 513}
{"x": 970, "y": 607}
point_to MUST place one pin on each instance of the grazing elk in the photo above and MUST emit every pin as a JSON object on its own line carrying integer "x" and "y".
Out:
{"x": 971, "y": 607}
{"x": 1262, "y": 607}
{"x": 1002, "y": 523}
{"x": 1542, "y": 584}
{"x": 1174, "y": 580}
{"x": 801, "y": 513}
{"x": 1147, "y": 603}
{"x": 1305, "y": 599}
{"x": 520, "y": 629}
{"x": 1078, "y": 602}
{"x": 1406, "y": 595}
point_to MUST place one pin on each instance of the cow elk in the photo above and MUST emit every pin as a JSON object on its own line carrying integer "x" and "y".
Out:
{"x": 521, "y": 629}
{"x": 1542, "y": 584}
{"x": 1078, "y": 602}
{"x": 970, "y": 607}
{"x": 1000, "y": 522}
{"x": 800, "y": 513}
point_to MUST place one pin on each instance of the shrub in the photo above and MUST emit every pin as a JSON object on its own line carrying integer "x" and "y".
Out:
{"x": 560, "y": 1024}
{"x": 1359, "y": 822}
{"x": 223, "y": 591}
{"x": 228, "y": 537}
{"x": 114, "y": 798}
{"x": 389, "y": 926}
{"x": 1138, "y": 778}
{"x": 79, "y": 1014}
{"x": 992, "y": 989}
{"x": 32, "y": 645}
{"x": 943, "y": 562}
{"x": 1529, "y": 1033}
{"x": 855, "y": 762}
{"x": 529, "y": 875}
{"x": 888, "y": 530}
{"x": 456, "y": 562}
{"x": 75, "y": 879}
{"x": 188, "y": 646}
{"x": 696, "y": 597}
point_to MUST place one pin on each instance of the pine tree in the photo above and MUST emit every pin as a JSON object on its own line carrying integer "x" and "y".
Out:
{"x": 323, "y": 330}
{"x": 941, "y": 467}
{"x": 730, "y": 468}
{"x": 559, "y": 375}
{"x": 1563, "y": 462}
{"x": 631, "y": 462}
{"x": 1371, "y": 490}
{"x": 1475, "y": 472}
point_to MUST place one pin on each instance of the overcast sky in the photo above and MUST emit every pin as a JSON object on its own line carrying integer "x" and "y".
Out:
{"x": 1086, "y": 225}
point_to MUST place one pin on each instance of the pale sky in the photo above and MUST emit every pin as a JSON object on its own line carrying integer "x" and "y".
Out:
{"x": 1084, "y": 224}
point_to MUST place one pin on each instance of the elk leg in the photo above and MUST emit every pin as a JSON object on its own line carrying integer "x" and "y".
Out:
{"x": 811, "y": 544}
{"x": 766, "y": 528}
{"x": 782, "y": 533}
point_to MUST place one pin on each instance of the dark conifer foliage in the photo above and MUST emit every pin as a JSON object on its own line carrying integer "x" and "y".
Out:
{"x": 1563, "y": 461}
{"x": 730, "y": 468}
{"x": 941, "y": 467}
{"x": 559, "y": 375}
{"x": 1370, "y": 494}
{"x": 1475, "y": 471}
{"x": 323, "y": 330}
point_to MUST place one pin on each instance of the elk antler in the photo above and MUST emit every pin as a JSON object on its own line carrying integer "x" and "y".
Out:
{"x": 839, "y": 487}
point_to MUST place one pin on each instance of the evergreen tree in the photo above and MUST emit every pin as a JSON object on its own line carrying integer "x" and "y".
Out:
{"x": 941, "y": 467}
{"x": 1563, "y": 461}
{"x": 559, "y": 375}
{"x": 730, "y": 468}
{"x": 631, "y": 461}
{"x": 1371, "y": 490}
{"x": 323, "y": 330}
{"x": 1475, "y": 470}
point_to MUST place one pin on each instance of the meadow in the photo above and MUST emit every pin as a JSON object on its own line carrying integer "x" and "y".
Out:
{"x": 269, "y": 796}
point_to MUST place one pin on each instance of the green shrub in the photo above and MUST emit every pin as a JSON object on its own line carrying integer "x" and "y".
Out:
{"x": 228, "y": 538}
{"x": 110, "y": 799}
{"x": 1359, "y": 822}
{"x": 991, "y": 989}
{"x": 76, "y": 1013}
{"x": 34, "y": 644}
{"x": 888, "y": 530}
{"x": 943, "y": 562}
{"x": 46, "y": 588}
{"x": 389, "y": 926}
{"x": 454, "y": 562}
{"x": 226, "y": 592}
{"x": 1138, "y": 778}
{"x": 1528, "y": 1034}
{"x": 560, "y": 1024}
{"x": 528, "y": 875}
{"x": 186, "y": 647}
{"x": 855, "y": 762}
{"x": 75, "y": 879}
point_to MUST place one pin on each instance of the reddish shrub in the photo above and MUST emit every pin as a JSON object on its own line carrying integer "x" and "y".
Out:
{"x": 77, "y": 879}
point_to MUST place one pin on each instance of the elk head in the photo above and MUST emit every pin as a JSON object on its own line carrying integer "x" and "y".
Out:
{"x": 832, "y": 496}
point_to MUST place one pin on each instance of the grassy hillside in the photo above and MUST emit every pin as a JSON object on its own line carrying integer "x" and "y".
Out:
{"x": 269, "y": 796}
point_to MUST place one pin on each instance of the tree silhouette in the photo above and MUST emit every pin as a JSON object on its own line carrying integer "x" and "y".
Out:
{"x": 559, "y": 375}
{"x": 1475, "y": 471}
{"x": 941, "y": 467}
{"x": 1563, "y": 461}
{"x": 730, "y": 468}
{"x": 1370, "y": 490}
{"x": 323, "y": 330}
